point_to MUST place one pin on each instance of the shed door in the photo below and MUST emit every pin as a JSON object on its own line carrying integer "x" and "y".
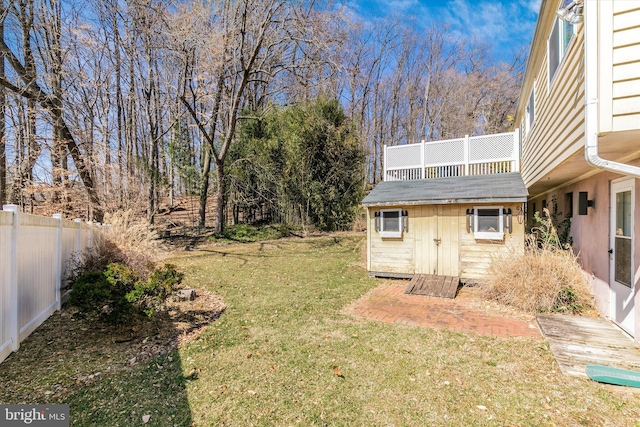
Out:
{"x": 440, "y": 240}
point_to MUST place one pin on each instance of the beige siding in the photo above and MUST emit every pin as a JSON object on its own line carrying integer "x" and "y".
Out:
{"x": 477, "y": 255}
{"x": 625, "y": 97}
{"x": 392, "y": 255}
{"x": 558, "y": 126}
{"x": 458, "y": 253}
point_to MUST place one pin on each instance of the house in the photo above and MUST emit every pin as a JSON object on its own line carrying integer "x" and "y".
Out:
{"x": 579, "y": 115}
{"x": 446, "y": 208}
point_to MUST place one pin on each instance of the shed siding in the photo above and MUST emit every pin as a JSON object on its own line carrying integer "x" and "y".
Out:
{"x": 476, "y": 255}
{"x": 392, "y": 255}
{"x": 558, "y": 128}
{"x": 458, "y": 253}
{"x": 626, "y": 65}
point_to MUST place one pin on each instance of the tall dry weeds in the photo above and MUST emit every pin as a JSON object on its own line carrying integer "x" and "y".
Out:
{"x": 546, "y": 278}
{"x": 126, "y": 238}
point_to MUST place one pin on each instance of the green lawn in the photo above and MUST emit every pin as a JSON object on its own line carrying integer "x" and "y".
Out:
{"x": 274, "y": 355}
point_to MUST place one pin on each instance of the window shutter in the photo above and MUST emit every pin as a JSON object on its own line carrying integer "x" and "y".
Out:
{"x": 377, "y": 221}
{"x": 405, "y": 220}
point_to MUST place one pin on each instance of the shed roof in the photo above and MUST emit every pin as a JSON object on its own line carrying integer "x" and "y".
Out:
{"x": 502, "y": 187}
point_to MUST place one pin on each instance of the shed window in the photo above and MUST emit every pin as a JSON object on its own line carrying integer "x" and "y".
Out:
{"x": 391, "y": 222}
{"x": 488, "y": 223}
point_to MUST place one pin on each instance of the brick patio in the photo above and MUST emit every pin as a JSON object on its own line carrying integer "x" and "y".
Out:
{"x": 388, "y": 303}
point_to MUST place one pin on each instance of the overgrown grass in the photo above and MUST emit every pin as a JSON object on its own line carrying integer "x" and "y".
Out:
{"x": 274, "y": 355}
{"x": 547, "y": 277}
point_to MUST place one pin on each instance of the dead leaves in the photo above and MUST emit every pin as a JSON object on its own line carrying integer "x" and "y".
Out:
{"x": 336, "y": 371}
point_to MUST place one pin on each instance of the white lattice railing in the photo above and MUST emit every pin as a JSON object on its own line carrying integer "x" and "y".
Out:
{"x": 476, "y": 155}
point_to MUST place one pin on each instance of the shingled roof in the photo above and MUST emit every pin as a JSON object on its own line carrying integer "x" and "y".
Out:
{"x": 502, "y": 187}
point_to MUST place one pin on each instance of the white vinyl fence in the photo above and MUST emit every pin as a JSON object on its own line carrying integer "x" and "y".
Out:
{"x": 476, "y": 155}
{"x": 34, "y": 251}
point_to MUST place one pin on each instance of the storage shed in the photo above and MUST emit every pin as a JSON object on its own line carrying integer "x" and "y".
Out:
{"x": 444, "y": 226}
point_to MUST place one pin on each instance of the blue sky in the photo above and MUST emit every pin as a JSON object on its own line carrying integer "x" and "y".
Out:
{"x": 506, "y": 25}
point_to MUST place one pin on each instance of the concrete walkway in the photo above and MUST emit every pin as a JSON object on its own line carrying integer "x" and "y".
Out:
{"x": 389, "y": 303}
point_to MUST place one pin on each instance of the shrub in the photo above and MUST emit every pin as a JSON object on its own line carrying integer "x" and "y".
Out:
{"x": 246, "y": 233}
{"x": 119, "y": 296}
{"x": 126, "y": 240}
{"x": 546, "y": 278}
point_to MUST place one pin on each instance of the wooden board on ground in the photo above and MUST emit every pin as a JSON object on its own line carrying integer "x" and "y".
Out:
{"x": 433, "y": 286}
{"x": 578, "y": 341}
{"x": 615, "y": 376}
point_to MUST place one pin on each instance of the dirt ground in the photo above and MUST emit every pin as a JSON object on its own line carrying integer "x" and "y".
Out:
{"x": 70, "y": 350}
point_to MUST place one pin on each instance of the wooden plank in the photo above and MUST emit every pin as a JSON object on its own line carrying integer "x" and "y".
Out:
{"x": 580, "y": 341}
{"x": 453, "y": 288}
{"x": 439, "y": 285}
{"x": 432, "y": 285}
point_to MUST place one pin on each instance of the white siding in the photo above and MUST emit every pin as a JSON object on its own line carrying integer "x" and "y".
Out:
{"x": 558, "y": 129}
{"x": 626, "y": 65}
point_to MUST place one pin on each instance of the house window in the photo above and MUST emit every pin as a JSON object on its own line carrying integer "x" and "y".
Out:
{"x": 568, "y": 204}
{"x": 391, "y": 223}
{"x": 558, "y": 42}
{"x": 488, "y": 223}
{"x": 530, "y": 111}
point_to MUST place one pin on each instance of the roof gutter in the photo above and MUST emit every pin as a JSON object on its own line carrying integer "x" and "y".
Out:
{"x": 591, "y": 112}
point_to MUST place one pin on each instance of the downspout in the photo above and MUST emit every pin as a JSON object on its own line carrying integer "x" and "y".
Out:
{"x": 591, "y": 112}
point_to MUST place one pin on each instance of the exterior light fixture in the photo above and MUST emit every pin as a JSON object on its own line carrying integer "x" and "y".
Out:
{"x": 573, "y": 12}
{"x": 584, "y": 203}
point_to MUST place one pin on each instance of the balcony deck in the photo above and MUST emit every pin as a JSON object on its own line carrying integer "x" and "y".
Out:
{"x": 476, "y": 155}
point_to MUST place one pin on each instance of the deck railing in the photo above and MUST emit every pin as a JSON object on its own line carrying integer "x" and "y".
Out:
{"x": 476, "y": 155}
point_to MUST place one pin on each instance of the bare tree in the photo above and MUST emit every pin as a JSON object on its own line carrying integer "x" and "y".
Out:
{"x": 254, "y": 44}
{"x": 3, "y": 134}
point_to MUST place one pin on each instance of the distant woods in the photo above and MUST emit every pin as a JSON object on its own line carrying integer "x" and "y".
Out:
{"x": 271, "y": 106}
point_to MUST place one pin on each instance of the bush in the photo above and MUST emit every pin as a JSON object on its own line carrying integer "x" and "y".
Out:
{"x": 546, "y": 278}
{"x": 119, "y": 296}
{"x": 125, "y": 240}
{"x": 246, "y": 233}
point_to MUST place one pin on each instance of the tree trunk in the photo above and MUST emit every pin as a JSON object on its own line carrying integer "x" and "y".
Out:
{"x": 220, "y": 190}
{"x": 204, "y": 188}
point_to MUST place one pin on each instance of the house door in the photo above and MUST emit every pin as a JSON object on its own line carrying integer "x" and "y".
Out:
{"x": 439, "y": 246}
{"x": 621, "y": 250}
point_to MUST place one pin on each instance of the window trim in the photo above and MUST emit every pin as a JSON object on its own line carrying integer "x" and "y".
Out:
{"x": 488, "y": 235}
{"x": 560, "y": 47}
{"x": 530, "y": 109}
{"x": 391, "y": 234}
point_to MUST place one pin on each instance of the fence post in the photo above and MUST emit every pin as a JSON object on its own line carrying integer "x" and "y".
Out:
{"x": 13, "y": 279}
{"x": 516, "y": 150}
{"x": 467, "y": 142}
{"x": 422, "y": 160}
{"x": 384, "y": 166}
{"x": 58, "y": 250}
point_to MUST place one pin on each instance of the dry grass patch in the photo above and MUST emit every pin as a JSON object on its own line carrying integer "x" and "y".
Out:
{"x": 71, "y": 351}
{"x": 547, "y": 277}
